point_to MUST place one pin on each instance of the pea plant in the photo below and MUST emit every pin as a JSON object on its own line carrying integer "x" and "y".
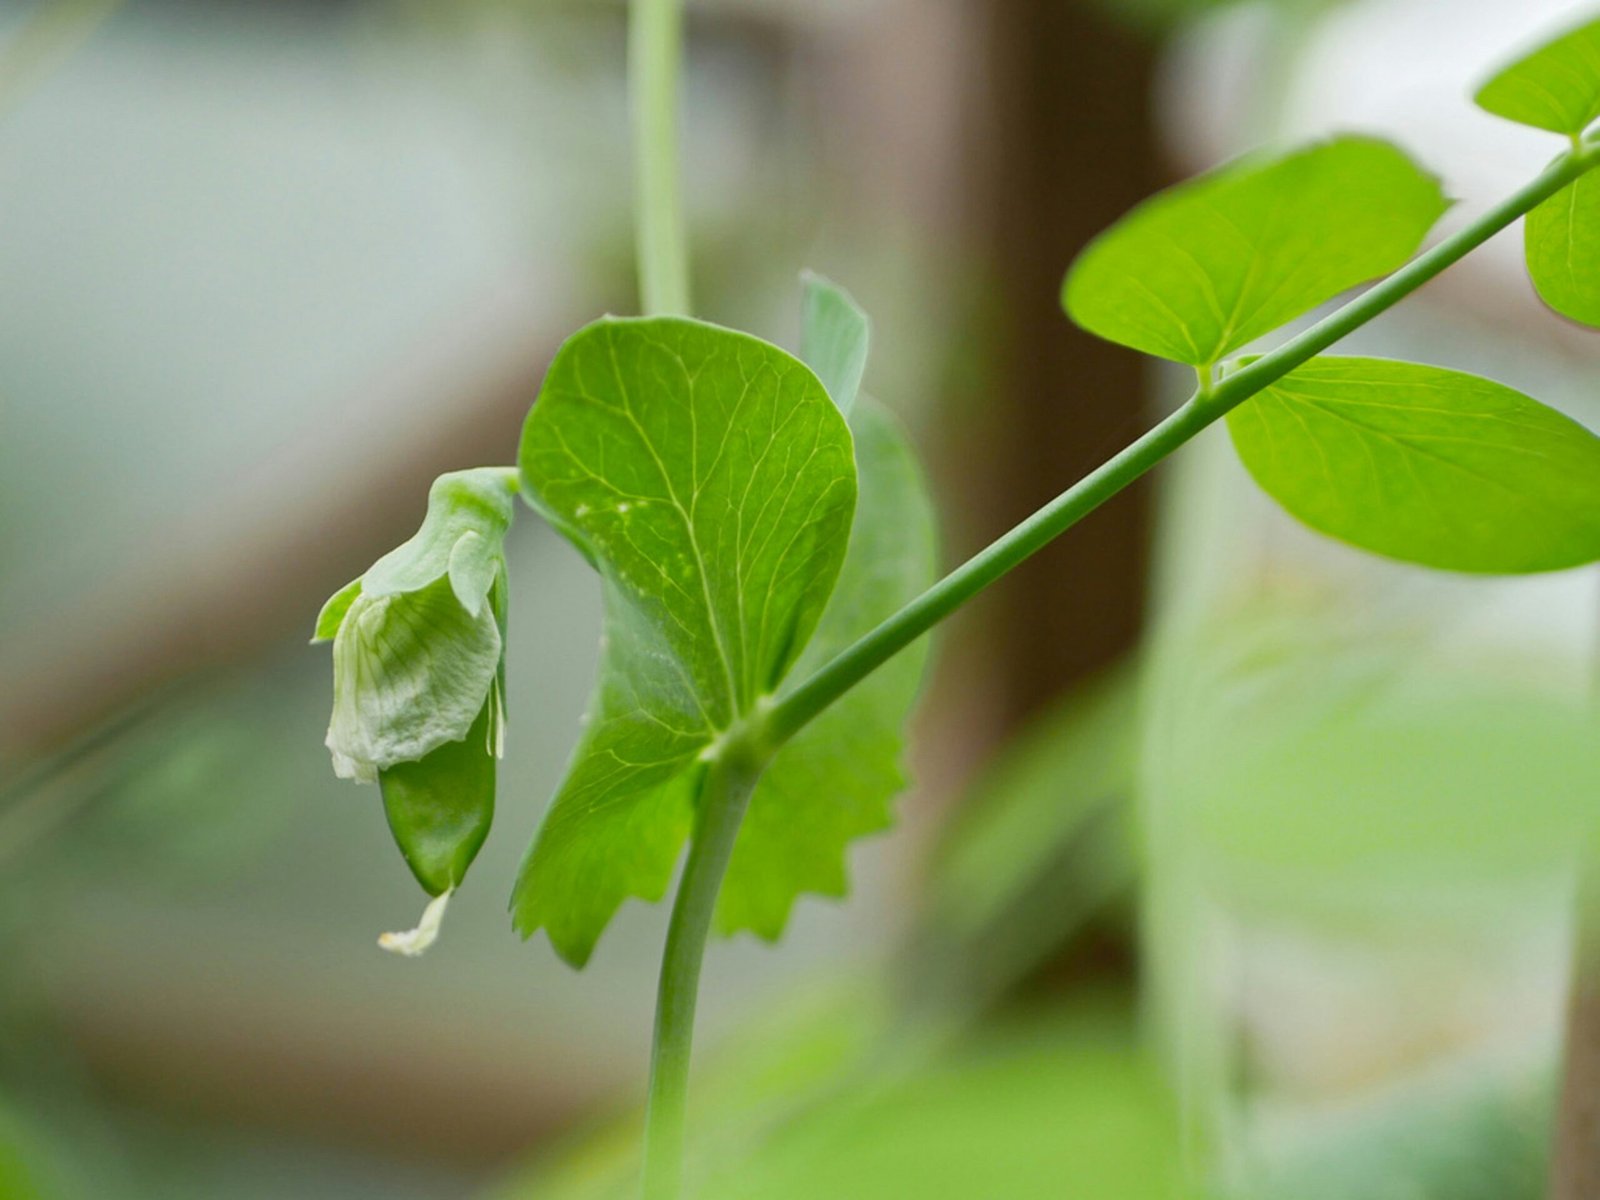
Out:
{"x": 764, "y": 539}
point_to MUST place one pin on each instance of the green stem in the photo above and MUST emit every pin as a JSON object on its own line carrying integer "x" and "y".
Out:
{"x": 729, "y": 782}
{"x": 836, "y": 677}
{"x": 655, "y": 59}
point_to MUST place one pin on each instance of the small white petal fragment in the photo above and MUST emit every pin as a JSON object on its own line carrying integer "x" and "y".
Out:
{"x": 413, "y": 942}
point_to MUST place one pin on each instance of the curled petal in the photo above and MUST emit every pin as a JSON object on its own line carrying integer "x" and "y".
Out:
{"x": 411, "y": 672}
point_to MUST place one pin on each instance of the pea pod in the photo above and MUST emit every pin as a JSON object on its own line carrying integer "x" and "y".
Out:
{"x": 419, "y": 683}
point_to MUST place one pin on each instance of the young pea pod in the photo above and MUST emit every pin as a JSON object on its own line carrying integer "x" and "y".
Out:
{"x": 419, "y": 683}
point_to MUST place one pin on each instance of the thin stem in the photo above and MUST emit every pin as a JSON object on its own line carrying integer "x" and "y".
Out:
{"x": 860, "y": 659}
{"x": 729, "y": 781}
{"x": 1269, "y": 368}
{"x": 655, "y": 59}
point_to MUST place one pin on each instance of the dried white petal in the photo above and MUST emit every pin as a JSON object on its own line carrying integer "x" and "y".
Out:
{"x": 412, "y": 942}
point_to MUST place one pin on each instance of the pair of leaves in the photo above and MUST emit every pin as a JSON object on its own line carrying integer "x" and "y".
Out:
{"x": 1557, "y": 88}
{"x": 1438, "y": 467}
{"x": 712, "y": 481}
{"x": 1413, "y": 462}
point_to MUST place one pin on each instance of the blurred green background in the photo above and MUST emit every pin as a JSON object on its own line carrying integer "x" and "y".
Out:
{"x": 1237, "y": 865}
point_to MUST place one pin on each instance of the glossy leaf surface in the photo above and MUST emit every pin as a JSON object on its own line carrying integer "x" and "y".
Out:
{"x": 710, "y": 479}
{"x": 1206, "y": 267}
{"x": 1426, "y": 465}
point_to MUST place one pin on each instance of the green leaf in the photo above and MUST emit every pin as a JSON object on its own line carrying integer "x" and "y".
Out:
{"x": 709, "y": 478}
{"x": 833, "y": 339}
{"x": 1068, "y": 1108}
{"x": 1207, "y": 267}
{"x": 1562, "y": 240}
{"x": 1426, "y": 465}
{"x": 1463, "y": 782}
{"x": 1557, "y": 87}
{"x": 834, "y": 781}
{"x": 1037, "y": 799}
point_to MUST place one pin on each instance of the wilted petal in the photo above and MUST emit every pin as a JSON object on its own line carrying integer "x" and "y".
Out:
{"x": 411, "y": 672}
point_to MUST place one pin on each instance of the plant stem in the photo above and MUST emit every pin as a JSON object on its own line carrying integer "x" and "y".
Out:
{"x": 655, "y": 59}
{"x": 836, "y": 677}
{"x": 729, "y": 781}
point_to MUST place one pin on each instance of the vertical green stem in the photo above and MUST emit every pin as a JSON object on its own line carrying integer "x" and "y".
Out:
{"x": 655, "y": 68}
{"x": 655, "y": 59}
{"x": 726, "y": 794}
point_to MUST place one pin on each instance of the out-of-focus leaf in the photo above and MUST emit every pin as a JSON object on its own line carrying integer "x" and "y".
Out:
{"x": 834, "y": 334}
{"x": 31, "y": 1161}
{"x": 1556, "y": 87}
{"x": 709, "y": 477}
{"x": 1469, "y": 784}
{"x": 1162, "y": 15}
{"x": 1311, "y": 759}
{"x": 1206, "y": 267}
{"x": 1426, "y": 465}
{"x": 1038, "y": 797}
{"x": 798, "y": 1052}
{"x": 1068, "y": 1108}
{"x": 1561, "y": 239}
{"x": 1479, "y": 1139}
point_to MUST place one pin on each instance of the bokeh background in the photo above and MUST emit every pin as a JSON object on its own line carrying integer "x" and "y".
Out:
{"x": 1234, "y": 857}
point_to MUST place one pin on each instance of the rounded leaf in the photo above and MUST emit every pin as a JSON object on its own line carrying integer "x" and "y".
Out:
{"x": 709, "y": 478}
{"x": 1556, "y": 87}
{"x": 1426, "y": 465}
{"x": 1562, "y": 241}
{"x": 1206, "y": 267}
